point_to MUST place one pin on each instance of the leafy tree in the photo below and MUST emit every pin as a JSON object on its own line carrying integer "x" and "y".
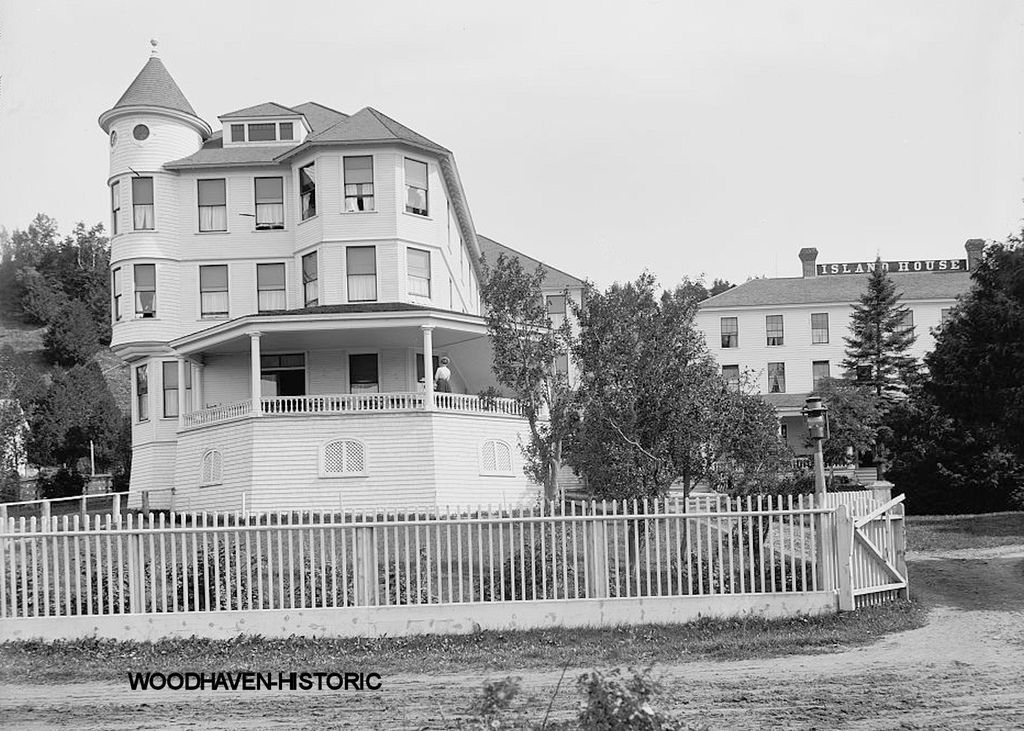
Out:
{"x": 977, "y": 366}
{"x": 525, "y": 348}
{"x": 651, "y": 407}
{"x": 699, "y": 291}
{"x": 77, "y": 408}
{"x": 876, "y": 349}
{"x": 71, "y": 337}
{"x": 854, "y": 418}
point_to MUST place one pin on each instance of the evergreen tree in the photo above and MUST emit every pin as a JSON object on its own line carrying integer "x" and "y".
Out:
{"x": 876, "y": 349}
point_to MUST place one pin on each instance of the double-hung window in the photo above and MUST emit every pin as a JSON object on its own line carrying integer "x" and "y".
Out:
{"x": 776, "y": 378}
{"x": 359, "y": 183}
{"x": 145, "y": 290}
{"x": 945, "y": 315}
{"x": 730, "y": 332}
{"x": 906, "y": 322}
{"x": 415, "y": 187}
{"x": 115, "y": 287}
{"x": 310, "y": 283}
{"x": 819, "y": 369}
{"x": 556, "y": 309}
{"x": 362, "y": 373}
{"x": 731, "y": 374}
{"x": 361, "y": 265}
{"x": 773, "y": 329}
{"x": 263, "y": 132}
{"x": 269, "y": 203}
{"x": 419, "y": 272}
{"x": 238, "y": 133}
{"x": 115, "y": 206}
{"x": 270, "y": 287}
{"x": 142, "y": 393}
{"x": 819, "y": 328}
{"x": 213, "y": 205}
{"x": 307, "y": 190}
{"x": 283, "y": 375}
{"x": 169, "y": 383}
{"x": 213, "y": 290}
{"x": 142, "y": 203}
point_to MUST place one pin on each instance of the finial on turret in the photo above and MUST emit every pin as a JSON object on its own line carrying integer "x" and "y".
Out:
{"x": 154, "y": 53}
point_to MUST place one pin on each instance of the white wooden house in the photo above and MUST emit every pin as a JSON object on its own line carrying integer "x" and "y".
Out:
{"x": 282, "y": 289}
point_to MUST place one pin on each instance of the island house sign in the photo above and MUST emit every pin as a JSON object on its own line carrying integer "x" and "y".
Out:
{"x": 913, "y": 265}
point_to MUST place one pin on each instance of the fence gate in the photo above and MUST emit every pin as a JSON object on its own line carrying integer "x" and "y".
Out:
{"x": 876, "y": 567}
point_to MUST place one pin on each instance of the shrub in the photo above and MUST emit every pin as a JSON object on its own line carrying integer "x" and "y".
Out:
{"x": 612, "y": 701}
{"x": 62, "y": 483}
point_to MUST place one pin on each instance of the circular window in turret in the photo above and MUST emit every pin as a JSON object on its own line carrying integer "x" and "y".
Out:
{"x": 113, "y": 137}
{"x": 140, "y": 132}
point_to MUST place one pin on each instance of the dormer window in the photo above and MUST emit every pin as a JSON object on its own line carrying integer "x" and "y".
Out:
{"x": 262, "y": 132}
{"x": 238, "y": 133}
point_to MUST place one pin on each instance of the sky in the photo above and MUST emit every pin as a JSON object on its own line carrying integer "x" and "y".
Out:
{"x": 684, "y": 138}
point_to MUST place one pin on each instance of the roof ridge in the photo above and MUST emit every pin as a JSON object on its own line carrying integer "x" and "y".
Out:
{"x": 531, "y": 258}
{"x": 399, "y": 133}
{"x": 322, "y": 106}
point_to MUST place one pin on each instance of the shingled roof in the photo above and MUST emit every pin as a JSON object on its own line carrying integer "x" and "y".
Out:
{"x": 319, "y": 116}
{"x": 154, "y": 87}
{"x": 369, "y": 125}
{"x": 553, "y": 278}
{"x": 266, "y": 109}
{"x": 837, "y": 289}
{"x": 214, "y": 154}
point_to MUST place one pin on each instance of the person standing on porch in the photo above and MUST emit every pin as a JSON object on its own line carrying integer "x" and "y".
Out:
{"x": 442, "y": 377}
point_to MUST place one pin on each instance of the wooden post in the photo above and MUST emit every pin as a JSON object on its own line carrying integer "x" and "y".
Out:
{"x": 597, "y": 558}
{"x": 3, "y": 517}
{"x": 134, "y": 604}
{"x": 365, "y": 558}
{"x": 115, "y": 508}
{"x": 45, "y": 512}
{"x": 254, "y": 373}
{"x": 844, "y": 557}
{"x": 83, "y": 508}
{"x": 145, "y": 502}
{"x": 899, "y": 543}
{"x": 428, "y": 365}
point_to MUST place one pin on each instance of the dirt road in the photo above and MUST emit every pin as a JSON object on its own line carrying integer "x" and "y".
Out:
{"x": 965, "y": 669}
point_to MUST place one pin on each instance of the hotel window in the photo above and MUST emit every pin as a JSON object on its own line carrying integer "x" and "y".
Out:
{"x": 307, "y": 190}
{"x": 562, "y": 364}
{"x": 556, "y": 309}
{"x": 361, "y": 265}
{"x": 731, "y": 374}
{"x": 776, "y": 378}
{"x": 945, "y": 315}
{"x": 269, "y": 203}
{"x": 212, "y": 468}
{"x": 773, "y": 329}
{"x": 145, "y": 290}
{"x": 238, "y": 133}
{"x": 359, "y": 183}
{"x": 420, "y": 375}
{"x": 286, "y": 131}
{"x": 115, "y": 206}
{"x": 343, "y": 457}
{"x": 819, "y": 328}
{"x": 270, "y": 291}
{"x": 730, "y": 332}
{"x": 362, "y": 373}
{"x": 169, "y": 384}
{"x": 415, "y": 187}
{"x": 142, "y": 393}
{"x": 419, "y": 272}
{"x": 262, "y": 132}
{"x": 495, "y": 458}
{"x": 142, "y": 203}
{"x": 213, "y": 290}
{"x": 283, "y": 375}
{"x": 906, "y": 322}
{"x": 819, "y": 369}
{"x": 115, "y": 287}
{"x": 310, "y": 283}
{"x": 213, "y": 209}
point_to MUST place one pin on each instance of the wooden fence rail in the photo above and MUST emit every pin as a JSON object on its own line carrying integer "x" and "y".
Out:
{"x": 204, "y": 562}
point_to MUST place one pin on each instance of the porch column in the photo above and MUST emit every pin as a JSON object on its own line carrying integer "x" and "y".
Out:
{"x": 428, "y": 364}
{"x": 198, "y": 397}
{"x": 182, "y": 393}
{"x": 254, "y": 372}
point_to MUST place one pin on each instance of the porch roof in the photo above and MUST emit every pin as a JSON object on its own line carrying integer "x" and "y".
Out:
{"x": 333, "y": 326}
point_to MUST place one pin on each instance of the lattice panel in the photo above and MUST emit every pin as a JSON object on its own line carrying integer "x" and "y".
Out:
{"x": 355, "y": 458}
{"x": 211, "y": 470}
{"x": 334, "y": 458}
{"x": 487, "y": 457}
{"x": 344, "y": 457}
{"x": 502, "y": 457}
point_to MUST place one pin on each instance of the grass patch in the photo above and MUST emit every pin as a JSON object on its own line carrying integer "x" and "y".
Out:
{"x": 951, "y": 532}
{"x": 709, "y": 639}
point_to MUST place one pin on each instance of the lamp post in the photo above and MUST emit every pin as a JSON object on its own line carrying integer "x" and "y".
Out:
{"x": 817, "y": 427}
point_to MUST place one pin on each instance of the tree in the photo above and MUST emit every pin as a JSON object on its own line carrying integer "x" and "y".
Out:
{"x": 71, "y": 336}
{"x": 876, "y": 349}
{"x": 854, "y": 418}
{"x": 651, "y": 407}
{"x": 977, "y": 366}
{"x": 76, "y": 409}
{"x": 525, "y": 348}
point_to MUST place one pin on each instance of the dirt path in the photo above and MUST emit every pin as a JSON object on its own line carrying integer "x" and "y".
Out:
{"x": 965, "y": 669}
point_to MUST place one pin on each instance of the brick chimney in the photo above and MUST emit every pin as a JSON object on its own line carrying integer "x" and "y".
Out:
{"x": 809, "y": 258}
{"x": 974, "y": 248}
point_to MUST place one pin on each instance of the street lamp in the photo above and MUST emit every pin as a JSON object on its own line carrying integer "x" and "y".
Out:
{"x": 816, "y": 414}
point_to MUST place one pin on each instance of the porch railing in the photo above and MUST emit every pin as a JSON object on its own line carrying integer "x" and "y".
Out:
{"x": 213, "y": 414}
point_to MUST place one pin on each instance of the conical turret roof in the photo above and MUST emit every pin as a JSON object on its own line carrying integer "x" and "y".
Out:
{"x": 154, "y": 87}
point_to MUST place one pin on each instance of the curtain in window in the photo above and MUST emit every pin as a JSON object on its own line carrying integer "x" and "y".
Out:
{"x": 144, "y": 218}
{"x": 142, "y": 201}
{"x": 270, "y": 285}
{"x": 307, "y": 190}
{"x": 419, "y": 272}
{"x": 272, "y": 299}
{"x": 362, "y": 370}
{"x": 269, "y": 202}
{"x": 269, "y": 215}
{"x": 362, "y": 287}
{"x": 213, "y": 218}
{"x": 362, "y": 273}
{"x": 213, "y": 289}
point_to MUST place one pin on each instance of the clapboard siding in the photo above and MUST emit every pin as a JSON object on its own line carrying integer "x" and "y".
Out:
{"x": 168, "y": 140}
{"x": 152, "y": 469}
{"x": 235, "y": 443}
{"x": 340, "y": 225}
{"x": 226, "y": 378}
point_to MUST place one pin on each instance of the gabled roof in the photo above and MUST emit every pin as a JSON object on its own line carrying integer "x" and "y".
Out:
{"x": 266, "y": 109}
{"x": 369, "y": 125}
{"x": 319, "y": 116}
{"x": 837, "y": 289}
{"x": 553, "y": 278}
{"x": 154, "y": 87}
